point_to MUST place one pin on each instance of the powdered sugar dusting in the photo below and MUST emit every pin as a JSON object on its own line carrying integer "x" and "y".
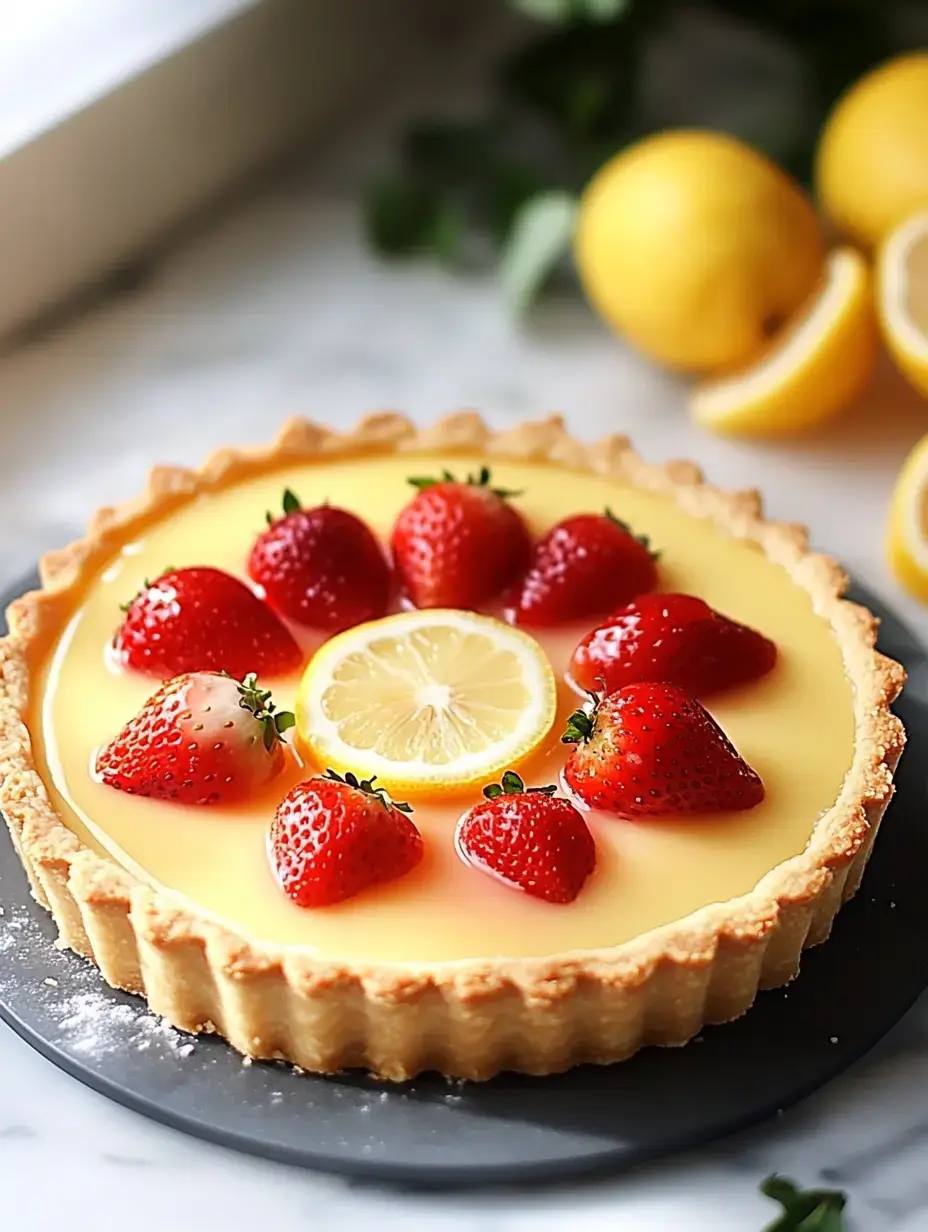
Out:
{"x": 93, "y": 1024}
{"x": 90, "y": 1019}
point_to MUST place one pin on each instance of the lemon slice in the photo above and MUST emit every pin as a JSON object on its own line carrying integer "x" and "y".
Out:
{"x": 902, "y": 297}
{"x": 428, "y": 701}
{"x": 813, "y": 370}
{"x": 907, "y": 533}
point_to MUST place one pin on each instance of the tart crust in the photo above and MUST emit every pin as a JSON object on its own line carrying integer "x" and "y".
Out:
{"x": 467, "y": 1019}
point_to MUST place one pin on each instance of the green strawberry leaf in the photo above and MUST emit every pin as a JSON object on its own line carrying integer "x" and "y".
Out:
{"x": 146, "y": 585}
{"x": 642, "y": 539}
{"x": 579, "y": 727}
{"x": 367, "y": 786}
{"x": 480, "y": 480}
{"x": 258, "y": 701}
{"x": 539, "y": 239}
{"x": 512, "y": 785}
{"x": 290, "y": 503}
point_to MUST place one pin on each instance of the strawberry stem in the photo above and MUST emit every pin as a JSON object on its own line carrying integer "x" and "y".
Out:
{"x": 290, "y": 503}
{"x": 642, "y": 539}
{"x": 580, "y": 726}
{"x": 367, "y": 786}
{"x": 480, "y": 480}
{"x": 146, "y": 585}
{"x": 512, "y": 785}
{"x": 273, "y": 722}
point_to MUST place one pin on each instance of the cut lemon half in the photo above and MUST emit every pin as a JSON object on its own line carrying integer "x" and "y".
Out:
{"x": 907, "y": 533}
{"x": 813, "y": 370}
{"x": 430, "y": 702}
{"x": 902, "y": 297}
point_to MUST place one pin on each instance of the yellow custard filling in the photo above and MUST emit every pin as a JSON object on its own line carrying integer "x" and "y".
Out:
{"x": 796, "y": 728}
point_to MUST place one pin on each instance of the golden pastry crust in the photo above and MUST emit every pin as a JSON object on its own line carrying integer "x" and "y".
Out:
{"x": 474, "y": 1018}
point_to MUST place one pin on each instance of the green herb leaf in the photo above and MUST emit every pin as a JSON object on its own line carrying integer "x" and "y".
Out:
{"x": 804, "y": 1210}
{"x": 400, "y": 216}
{"x": 603, "y": 10}
{"x": 545, "y": 10}
{"x": 572, "y": 10}
{"x": 538, "y": 241}
{"x": 446, "y": 236}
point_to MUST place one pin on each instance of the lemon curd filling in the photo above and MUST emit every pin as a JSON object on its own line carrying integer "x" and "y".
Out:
{"x": 795, "y": 727}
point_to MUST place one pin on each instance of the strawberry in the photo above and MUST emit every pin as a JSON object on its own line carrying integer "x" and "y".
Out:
{"x": 203, "y": 738}
{"x": 678, "y": 639}
{"x": 321, "y": 567}
{"x": 529, "y": 838}
{"x": 458, "y": 544}
{"x": 333, "y": 837}
{"x": 585, "y": 565}
{"x": 650, "y": 750}
{"x": 201, "y": 619}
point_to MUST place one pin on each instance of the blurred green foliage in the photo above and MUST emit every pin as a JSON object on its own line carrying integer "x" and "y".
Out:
{"x": 496, "y": 188}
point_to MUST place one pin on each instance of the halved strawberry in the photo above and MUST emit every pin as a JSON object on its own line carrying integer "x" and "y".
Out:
{"x": 584, "y": 566}
{"x": 650, "y": 750}
{"x": 529, "y": 838}
{"x": 678, "y": 639}
{"x": 333, "y": 837}
{"x": 458, "y": 544}
{"x": 202, "y": 738}
{"x": 201, "y": 619}
{"x": 321, "y": 567}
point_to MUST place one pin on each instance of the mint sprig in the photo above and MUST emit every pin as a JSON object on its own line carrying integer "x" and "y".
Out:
{"x": 804, "y": 1210}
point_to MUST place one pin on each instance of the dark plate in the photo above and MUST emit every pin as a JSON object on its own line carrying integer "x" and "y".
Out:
{"x": 431, "y": 1133}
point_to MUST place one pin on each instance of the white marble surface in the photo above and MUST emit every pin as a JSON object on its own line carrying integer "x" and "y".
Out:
{"x": 276, "y": 310}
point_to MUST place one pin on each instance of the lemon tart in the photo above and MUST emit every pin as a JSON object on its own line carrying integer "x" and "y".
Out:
{"x": 681, "y": 922}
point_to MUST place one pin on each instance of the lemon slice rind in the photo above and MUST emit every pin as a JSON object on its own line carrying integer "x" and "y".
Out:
{"x": 904, "y": 337}
{"x": 334, "y": 681}
{"x": 907, "y": 535}
{"x": 812, "y": 372}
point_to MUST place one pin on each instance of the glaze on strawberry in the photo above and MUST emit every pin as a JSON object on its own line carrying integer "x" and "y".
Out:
{"x": 458, "y": 544}
{"x": 333, "y": 837}
{"x": 678, "y": 639}
{"x": 202, "y": 619}
{"x": 202, "y": 738}
{"x": 650, "y": 750}
{"x": 321, "y": 567}
{"x": 584, "y": 566}
{"x": 529, "y": 838}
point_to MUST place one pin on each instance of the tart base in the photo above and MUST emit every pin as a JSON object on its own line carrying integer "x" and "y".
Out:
{"x": 467, "y": 1019}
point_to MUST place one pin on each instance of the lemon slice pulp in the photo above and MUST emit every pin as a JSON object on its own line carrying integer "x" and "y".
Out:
{"x": 902, "y": 297}
{"x": 428, "y": 701}
{"x": 812, "y": 371}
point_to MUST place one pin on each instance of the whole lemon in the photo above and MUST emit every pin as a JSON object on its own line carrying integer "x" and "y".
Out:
{"x": 872, "y": 161}
{"x": 696, "y": 248}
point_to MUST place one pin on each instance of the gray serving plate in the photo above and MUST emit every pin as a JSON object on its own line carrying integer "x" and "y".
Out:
{"x": 430, "y": 1132}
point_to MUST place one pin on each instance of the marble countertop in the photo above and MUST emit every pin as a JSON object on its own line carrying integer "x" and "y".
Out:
{"x": 276, "y": 309}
